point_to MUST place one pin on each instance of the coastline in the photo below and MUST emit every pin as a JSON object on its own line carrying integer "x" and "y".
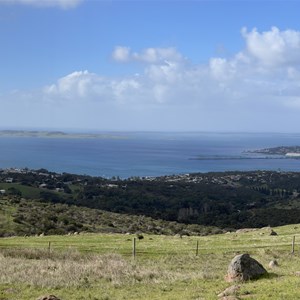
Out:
{"x": 128, "y": 154}
{"x": 58, "y": 134}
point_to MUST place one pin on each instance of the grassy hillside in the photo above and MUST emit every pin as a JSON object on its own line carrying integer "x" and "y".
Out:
{"x": 19, "y": 216}
{"x": 100, "y": 266}
{"x": 26, "y": 191}
{"x": 225, "y": 200}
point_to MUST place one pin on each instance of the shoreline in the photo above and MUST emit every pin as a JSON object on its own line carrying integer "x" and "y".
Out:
{"x": 58, "y": 134}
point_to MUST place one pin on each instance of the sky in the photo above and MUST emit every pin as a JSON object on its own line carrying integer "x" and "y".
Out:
{"x": 150, "y": 65}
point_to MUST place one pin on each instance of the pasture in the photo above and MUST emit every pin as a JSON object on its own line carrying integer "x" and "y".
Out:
{"x": 102, "y": 266}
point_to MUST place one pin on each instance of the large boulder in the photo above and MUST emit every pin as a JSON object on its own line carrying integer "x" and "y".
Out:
{"x": 243, "y": 267}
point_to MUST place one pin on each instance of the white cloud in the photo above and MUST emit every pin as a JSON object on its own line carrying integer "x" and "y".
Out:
{"x": 75, "y": 84}
{"x": 148, "y": 55}
{"x": 273, "y": 48}
{"x": 64, "y": 4}
{"x": 121, "y": 54}
{"x": 241, "y": 92}
{"x": 83, "y": 86}
{"x": 219, "y": 68}
{"x": 167, "y": 72}
{"x": 156, "y": 55}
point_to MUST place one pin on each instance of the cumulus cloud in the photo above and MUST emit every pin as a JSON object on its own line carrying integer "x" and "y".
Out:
{"x": 274, "y": 47}
{"x": 247, "y": 80}
{"x": 76, "y": 84}
{"x": 86, "y": 86}
{"x": 64, "y": 4}
{"x": 260, "y": 82}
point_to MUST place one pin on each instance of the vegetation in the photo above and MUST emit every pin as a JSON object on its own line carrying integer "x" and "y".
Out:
{"x": 93, "y": 266}
{"x": 59, "y": 251}
{"x": 19, "y": 216}
{"x": 228, "y": 200}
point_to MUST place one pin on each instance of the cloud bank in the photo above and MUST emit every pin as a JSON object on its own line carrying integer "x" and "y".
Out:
{"x": 249, "y": 91}
{"x": 64, "y": 4}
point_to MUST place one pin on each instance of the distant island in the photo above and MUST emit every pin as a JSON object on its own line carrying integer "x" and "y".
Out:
{"x": 281, "y": 152}
{"x": 290, "y": 151}
{"x": 57, "y": 134}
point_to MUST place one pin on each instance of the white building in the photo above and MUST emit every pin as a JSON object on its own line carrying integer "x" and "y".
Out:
{"x": 293, "y": 154}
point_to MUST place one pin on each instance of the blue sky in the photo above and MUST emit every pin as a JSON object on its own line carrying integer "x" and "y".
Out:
{"x": 150, "y": 65}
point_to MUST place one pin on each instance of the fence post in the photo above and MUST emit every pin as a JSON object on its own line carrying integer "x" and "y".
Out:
{"x": 134, "y": 248}
{"x": 293, "y": 245}
{"x": 197, "y": 248}
{"x": 49, "y": 247}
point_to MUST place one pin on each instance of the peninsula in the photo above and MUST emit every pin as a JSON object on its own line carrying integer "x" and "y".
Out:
{"x": 59, "y": 134}
{"x": 290, "y": 151}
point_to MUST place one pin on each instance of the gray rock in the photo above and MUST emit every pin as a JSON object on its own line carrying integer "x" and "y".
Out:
{"x": 243, "y": 267}
{"x": 232, "y": 290}
{"x": 49, "y": 297}
{"x": 273, "y": 264}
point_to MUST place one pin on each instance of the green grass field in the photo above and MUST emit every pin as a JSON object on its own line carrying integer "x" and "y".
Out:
{"x": 27, "y": 191}
{"x": 93, "y": 266}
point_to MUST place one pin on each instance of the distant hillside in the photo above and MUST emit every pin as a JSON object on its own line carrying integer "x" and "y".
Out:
{"x": 228, "y": 200}
{"x": 19, "y": 216}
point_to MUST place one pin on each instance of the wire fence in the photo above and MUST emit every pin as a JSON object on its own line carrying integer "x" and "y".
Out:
{"x": 150, "y": 247}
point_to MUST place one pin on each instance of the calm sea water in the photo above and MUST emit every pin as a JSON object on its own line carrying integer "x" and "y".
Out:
{"x": 146, "y": 154}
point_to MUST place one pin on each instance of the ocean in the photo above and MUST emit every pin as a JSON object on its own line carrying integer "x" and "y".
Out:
{"x": 148, "y": 154}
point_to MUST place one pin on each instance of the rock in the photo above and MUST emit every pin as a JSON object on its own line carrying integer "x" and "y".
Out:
{"x": 49, "y": 297}
{"x": 230, "y": 298}
{"x": 140, "y": 236}
{"x": 243, "y": 267}
{"x": 273, "y": 264}
{"x": 297, "y": 273}
{"x": 273, "y": 232}
{"x": 232, "y": 290}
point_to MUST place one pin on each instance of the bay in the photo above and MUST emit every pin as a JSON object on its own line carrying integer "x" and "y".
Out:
{"x": 147, "y": 154}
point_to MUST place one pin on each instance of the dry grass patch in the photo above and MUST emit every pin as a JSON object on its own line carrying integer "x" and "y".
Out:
{"x": 39, "y": 268}
{"x": 101, "y": 266}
